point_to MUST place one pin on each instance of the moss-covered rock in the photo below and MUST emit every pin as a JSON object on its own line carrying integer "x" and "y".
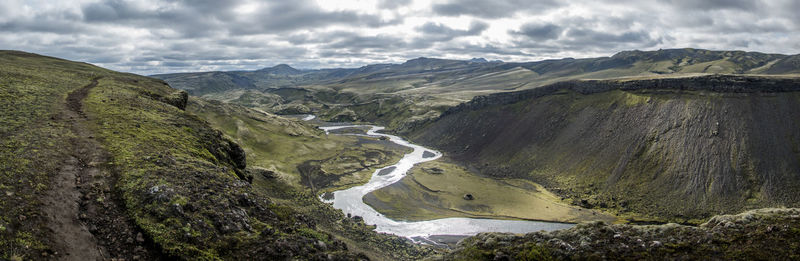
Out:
{"x": 764, "y": 234}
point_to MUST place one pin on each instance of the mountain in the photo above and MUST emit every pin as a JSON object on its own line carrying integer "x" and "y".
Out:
{"x": 670, "y": 149}
{"x": 281, "y": 69}
{"x": 478, "y": 60}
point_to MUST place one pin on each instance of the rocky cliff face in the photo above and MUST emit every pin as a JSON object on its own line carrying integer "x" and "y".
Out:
{"x": 714, "y": 83}
{"x": 674, "y": 149}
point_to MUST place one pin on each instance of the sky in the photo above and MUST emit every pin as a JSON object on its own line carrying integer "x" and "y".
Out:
{"x": 154, "y": 36}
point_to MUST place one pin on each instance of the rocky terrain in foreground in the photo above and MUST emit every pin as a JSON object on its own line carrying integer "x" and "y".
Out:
{"x": 763, "y": 234}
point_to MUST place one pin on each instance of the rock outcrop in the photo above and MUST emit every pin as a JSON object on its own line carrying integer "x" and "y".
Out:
{"x": 765, "y": 234}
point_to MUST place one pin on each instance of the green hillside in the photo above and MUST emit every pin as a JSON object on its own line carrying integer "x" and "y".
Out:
{"x": 98, "y": 164}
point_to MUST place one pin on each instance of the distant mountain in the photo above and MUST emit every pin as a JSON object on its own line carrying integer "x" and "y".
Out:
{"x": 464, "y": 78}
{"x": 281, "y": 69}
{"x": 478, "y": 60}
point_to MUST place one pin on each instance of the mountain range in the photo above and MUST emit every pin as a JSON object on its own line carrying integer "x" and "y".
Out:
{"x": 433, "y": 76}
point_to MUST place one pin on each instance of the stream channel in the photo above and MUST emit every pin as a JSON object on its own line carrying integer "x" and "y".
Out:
{"x": 428, "y": 231}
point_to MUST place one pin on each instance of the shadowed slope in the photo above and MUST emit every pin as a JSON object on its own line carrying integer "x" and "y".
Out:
{"x": 669, "y": 148}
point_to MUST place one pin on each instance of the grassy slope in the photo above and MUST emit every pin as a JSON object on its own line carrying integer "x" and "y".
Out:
{"x": 425, "y": 194}
{"x": 180, "y": 180}
{"x": 33, "y": 139}
{"x": 638, "y": 152}
{"x": 296, "y": 142}
{"x": 281, "y": 145}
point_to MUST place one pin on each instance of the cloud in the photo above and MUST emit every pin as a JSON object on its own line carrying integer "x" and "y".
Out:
{"x": 439, "y": 32}
{"x": 281, "y": 16}
{"x": 62, "y": 22}
{"x": 582, "y": 38}
{"x": 540, "y": 32}
{"x": 492, "y": 9}
{"x": 392, "y": 4}
{"x": 158, "y": 36}
{"x": 355, "y": 42}
{"x": 715, "y": 4}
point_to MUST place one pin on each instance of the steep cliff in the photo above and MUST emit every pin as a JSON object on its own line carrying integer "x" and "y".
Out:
{"x": 671, "y": 148}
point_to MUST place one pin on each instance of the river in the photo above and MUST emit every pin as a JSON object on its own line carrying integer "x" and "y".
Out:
{"x": 350, "y": 201}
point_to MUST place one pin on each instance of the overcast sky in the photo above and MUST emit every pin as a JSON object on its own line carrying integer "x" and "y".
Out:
{"x": 150, "y": 36}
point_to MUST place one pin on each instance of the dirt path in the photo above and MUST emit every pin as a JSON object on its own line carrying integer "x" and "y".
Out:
{"x": 85, "y": 214}
{"x": 62, "y": 202}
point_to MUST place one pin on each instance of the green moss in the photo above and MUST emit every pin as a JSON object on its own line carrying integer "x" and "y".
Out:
{"x": 753, "y": 235}
{"x": 474, "y": 253}
{"x": 535, "y": 252}
{"x": 314, "y": 234}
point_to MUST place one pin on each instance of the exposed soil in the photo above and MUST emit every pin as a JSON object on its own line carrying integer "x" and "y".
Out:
{"x": 85, "y": 216}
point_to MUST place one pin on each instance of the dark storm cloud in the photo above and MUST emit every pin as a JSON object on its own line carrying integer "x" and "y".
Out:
{"x": 493, "y": 8}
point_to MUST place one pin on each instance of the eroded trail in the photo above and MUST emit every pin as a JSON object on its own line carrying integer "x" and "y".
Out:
{"x": 85, "y": 215}
{"x": 62, "y": 202}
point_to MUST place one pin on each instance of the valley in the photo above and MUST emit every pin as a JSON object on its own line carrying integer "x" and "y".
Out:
{"x": 430, "y": 130}
{"x": 437, "y": 189}
{"x": 598, "y": 153}
{"x": 350, "y": 201}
